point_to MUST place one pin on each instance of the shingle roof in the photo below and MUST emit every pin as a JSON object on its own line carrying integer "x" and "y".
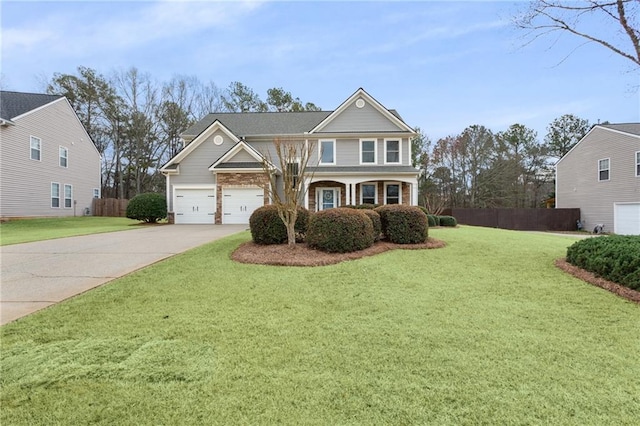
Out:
{"x": 261, "y": 123}
{"x": 632, "y": 128}
{"x": 13, "y": 104}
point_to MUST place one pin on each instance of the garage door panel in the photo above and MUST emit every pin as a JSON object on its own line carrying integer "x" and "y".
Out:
{"x": 238, "y": 204}
{"x": 627, "y": 218}
{"x": 194, "y": 206}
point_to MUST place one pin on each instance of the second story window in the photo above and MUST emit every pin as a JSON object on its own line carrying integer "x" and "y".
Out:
{"x": 64, "y": 156}
{"x": 603, "y": 169}
{"x": 638, "y": 164}
{"x": 328, "y": 151}
{"x": 367, "y": 151}
{"x": 36, "y": 147}
{"x": 392, "y": 151}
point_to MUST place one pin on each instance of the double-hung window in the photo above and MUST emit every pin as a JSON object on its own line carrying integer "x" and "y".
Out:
{"x": 35, "y": 148}
{"x": 96, "y": 192}
{"x": 638, "y": 164}
{"x": 392, "y": 151}
{"x": 368, "y": 193}
{"x": 368, "y": 151}
{"x": 68, "y": 196}
{"x": 55, "y": 195}
{"x": 64, "y": 156}
{"x": 603, "y": 169}
{"x": 327, "y": 152}
{"x": 392, "y": 193}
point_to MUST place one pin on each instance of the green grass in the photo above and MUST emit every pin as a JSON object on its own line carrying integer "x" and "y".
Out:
{"x": 28, "y": 230}
{"x": 484, "y": 331}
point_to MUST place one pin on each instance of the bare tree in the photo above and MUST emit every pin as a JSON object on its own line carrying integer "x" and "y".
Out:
{"x": 609, "y": 23}
{"x": 293, "y": 157}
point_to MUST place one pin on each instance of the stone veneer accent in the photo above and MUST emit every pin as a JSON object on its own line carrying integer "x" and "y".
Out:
{"x": 239, "y": 180}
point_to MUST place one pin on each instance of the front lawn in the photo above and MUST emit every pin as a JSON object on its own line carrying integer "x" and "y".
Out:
{"x": 28, "y": 230}
{"x": 484, "y": 331}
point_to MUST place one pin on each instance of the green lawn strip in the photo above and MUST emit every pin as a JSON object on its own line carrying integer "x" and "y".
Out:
{"x": 484, "y": 331}
{"x": 29, "y": 230}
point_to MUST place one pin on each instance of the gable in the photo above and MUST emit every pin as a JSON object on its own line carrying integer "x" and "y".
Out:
{"x": 361, "y": 113}
{"x": 16, "y": 104}
{"x": 602, "y": 140}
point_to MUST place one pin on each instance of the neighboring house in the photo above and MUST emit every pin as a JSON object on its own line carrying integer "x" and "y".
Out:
{"x": 362, "y": 155}
{"x": 601, "y": 176}
{"x": 49, "y": 165}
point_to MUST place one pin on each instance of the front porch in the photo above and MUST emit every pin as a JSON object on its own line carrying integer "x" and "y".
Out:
{"x": 330, "y": 193}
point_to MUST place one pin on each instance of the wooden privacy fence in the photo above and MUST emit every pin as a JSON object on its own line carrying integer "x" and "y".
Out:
{"x": 112, "y": 207}
{"x": 519, "y": 219}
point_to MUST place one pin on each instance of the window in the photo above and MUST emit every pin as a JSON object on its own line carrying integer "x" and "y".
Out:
{"x": 36, "y": 145}
{"x": 392, "y": 151}
{"x": 368, "y": 193}
{"x": 55, "y": 195}
{"x": 96, "y": 192}
{"x": 327, "y": 151}
{"x": 68, "y": 196}
{"x": 603, "y": 169}
{"x": 638, "y": 164}
{"x": 293, "y": 169}
{"x": 64, "y": 156}
{"x": 367, "y": 151}
{"x": 392, "y": 193}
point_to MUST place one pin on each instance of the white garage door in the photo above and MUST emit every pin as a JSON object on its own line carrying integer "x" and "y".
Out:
{"x": 239, "y": 203}
{"x": 626, "y": 220}
{"x": 195, "y": 206}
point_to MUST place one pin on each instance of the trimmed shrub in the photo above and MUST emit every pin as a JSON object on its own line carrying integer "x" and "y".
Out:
{"x": 375, "y": 221}
{"x": 447, "y": 221}
{"x": 267, "y": 227}
{"x": 433, "y": 220}
{"x": 615, "y": 258}
{"x": 149, "y": 207}
{"x": 402, "y": 224}
{"x": 340, "y": 230}
{"x": 366, "y": 206}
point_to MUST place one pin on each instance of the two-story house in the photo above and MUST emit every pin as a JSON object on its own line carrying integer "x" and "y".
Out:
{"x": 49, "y": 165}
{"x": 362, "y": 155}
{"x": 601, "y": 176}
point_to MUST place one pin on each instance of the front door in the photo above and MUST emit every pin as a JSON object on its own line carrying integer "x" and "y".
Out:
{"x": 327, "y": 198}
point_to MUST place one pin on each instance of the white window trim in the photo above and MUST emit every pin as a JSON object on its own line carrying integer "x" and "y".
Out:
{"x": 60, "y": 157}
{"x": 601, "y": 170}
{"x": 637, "y": 163}
{"x": 31, "y": 138}
{"x": 52, "y": 197}
{"x": 375, "y": 192}
{"x": 399, "y": 191}
{"x": 319, "y": 190}
{"x": 375, "y": 151}
{"x": 333, "y": 141}
{"x": 399, "y": 151}
{"x": 64, "y": 195}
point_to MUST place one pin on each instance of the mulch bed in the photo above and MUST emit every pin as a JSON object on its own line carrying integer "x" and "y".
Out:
{"x": 301, "y": 255}
{"x": 620, "y": 290}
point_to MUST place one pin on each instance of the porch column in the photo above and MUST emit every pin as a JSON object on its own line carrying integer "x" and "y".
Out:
{"x": 414, "y": 187}
{"x": 307, "y": 185}
{"x": 347, "y": 194}
{"x": 353, "y": 193}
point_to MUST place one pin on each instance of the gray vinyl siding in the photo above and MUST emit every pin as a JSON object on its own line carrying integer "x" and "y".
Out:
{"x": 25, "y": 184}
{"x": 365, "y": 119}
{"x": 348, "y": 151}
{"x": 577, "y": 184}
{"x": 242, "y": 156}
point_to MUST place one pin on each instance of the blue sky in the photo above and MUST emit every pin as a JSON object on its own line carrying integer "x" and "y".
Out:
{"x": 442, "y": 65}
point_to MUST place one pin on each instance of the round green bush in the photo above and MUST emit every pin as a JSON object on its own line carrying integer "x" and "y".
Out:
{"x": 433, "y": 220}
{"x": 267, "y": 227}
{"x": 447, "y": 221}
{"x": 615, "y": 258}
{"x": 375, "y": 221}
{"x": 340, "y": 230}
{"x": 149, "y": 207}
{"x": 402, "y": 224}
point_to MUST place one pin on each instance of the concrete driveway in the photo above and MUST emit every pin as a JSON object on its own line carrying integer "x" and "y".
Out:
{"x": 40, "y": 274}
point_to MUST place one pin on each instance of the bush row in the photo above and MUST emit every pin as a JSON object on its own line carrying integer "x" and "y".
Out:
{"x": 344, "y": 229}
{"x": 615, "y": 258}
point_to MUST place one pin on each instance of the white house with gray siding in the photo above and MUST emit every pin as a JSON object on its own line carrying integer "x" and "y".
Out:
{"x": 49, "y": 165}
{"x": 601, "y": 176}
{"x": 362, "y": 156}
